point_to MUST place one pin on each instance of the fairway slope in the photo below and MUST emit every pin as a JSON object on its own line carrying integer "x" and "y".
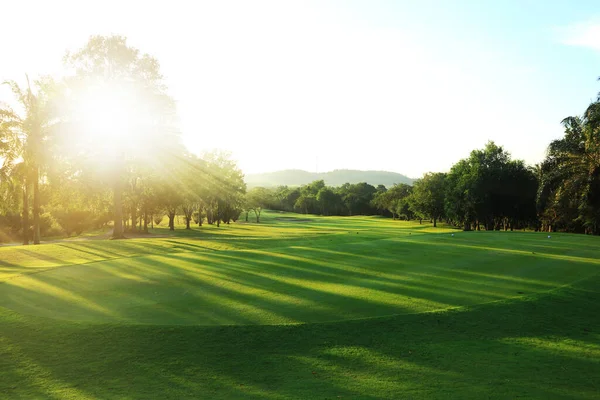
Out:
{"x": 331, "y": 308}
{"x": 355, "y": 276}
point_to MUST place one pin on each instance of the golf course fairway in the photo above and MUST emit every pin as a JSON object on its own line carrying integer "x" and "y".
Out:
{"x": 303, "y": 307}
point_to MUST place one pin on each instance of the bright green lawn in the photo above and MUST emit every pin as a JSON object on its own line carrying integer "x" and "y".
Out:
{"x": 327, "y": 308}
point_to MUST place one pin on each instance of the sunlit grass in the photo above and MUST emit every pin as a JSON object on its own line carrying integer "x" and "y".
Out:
{"x": 358, "y": 307}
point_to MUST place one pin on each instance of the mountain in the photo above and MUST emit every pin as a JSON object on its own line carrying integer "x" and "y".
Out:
{"x": 296, "y": 177}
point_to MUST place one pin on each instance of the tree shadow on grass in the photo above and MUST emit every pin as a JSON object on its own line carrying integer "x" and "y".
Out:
{"x": 481, "y": 352}
{"x": 542, "y": 346}
{"x": 262, "y": 287}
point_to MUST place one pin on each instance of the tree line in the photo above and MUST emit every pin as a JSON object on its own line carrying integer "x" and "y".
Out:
{"x": 487, "y": 190}
{"x": 101, "y": 146}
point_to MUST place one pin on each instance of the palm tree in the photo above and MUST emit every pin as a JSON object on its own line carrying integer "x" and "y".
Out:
{"x": 571, "y": 170}
{"x": 23, "y": 135}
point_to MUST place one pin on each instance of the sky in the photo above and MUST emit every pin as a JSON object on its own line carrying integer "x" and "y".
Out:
{"x": 404, "y": 86}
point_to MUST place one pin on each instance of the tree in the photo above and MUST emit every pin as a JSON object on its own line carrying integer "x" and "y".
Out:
{"x": 428, "y": 196}
{"x": 379, "y": 199}
{"x": 225, "y": 187}
{"x": 285, "y": 198}
{"x": 328, "y": 200}
{"x": 357, "y": 198}
{"x": 118, "y": 93}
{"x": 489, "y": 189}
{"x": 395, "y": 200}
{"x": 23, "y": 136}
{"x": 257, "y": 199}
{"x": 570, "y": 175}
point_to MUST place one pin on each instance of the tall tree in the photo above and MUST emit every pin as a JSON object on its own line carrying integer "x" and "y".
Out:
{"x": 24, "y": 135}
{"x": 118, "y": 92}
{"x": 428, "y": 196}
{"x": 257, "y": 199}
{"x": 489, "y": 189}
{"x": 571, "y": 172}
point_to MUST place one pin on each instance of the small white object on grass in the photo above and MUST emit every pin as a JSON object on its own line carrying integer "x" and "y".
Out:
{"x": 549, "y": 236}
{"x": 453, "y": 235}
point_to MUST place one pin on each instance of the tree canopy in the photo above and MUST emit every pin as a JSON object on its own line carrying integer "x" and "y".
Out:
{"x": 101, "y": 147}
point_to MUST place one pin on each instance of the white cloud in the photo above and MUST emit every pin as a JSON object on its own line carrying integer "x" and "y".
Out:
{"x": 582, "y": 34}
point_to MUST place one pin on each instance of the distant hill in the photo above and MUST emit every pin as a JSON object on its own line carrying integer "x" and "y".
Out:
{"x": 296, "y": 177}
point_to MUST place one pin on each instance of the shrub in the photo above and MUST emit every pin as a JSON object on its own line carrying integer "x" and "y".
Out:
{"x": 75, "y": 221}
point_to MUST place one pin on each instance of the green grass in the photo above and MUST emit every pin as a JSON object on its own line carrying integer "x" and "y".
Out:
{"x": 323, "y": 308}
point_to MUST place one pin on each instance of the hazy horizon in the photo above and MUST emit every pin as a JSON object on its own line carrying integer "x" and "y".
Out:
{"x": 384, "y": 86}
{"x": 326, "y": 172}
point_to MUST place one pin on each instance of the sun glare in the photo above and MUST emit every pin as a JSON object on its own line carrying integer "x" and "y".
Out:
{"x": 107, "y": 115}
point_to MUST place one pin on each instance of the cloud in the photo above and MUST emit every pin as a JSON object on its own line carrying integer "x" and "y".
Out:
{"x": 582, "y": 34}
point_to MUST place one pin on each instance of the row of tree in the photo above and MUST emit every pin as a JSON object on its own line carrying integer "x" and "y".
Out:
{"x": 488, "y": 190}
{"x": 101, "y": 145}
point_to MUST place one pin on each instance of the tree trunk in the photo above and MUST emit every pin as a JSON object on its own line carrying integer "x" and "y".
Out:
{"x": 36, "y": 206}
{"x": 435, "y": 222}
{"x": 118, "y": 209}
{"x": 246, "y": 216}
{"x": 171, "y": 221}
{"x": 218, "y": 217}
{"x": 25, "y": 224}
{"x": 146, "y": 222}
{"x": 187, "y": 222}
{"x": 257, "y": 216}
{"x": 152, "y": 221}
{"x": 133, "y": 219}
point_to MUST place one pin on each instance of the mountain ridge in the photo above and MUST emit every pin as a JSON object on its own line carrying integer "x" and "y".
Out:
{"x": 337, "y": 177}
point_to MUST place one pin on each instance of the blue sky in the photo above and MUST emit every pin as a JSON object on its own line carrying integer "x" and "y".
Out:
{"x": 406, "y": 86}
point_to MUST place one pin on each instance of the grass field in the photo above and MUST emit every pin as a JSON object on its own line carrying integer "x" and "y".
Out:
{"x": 303, "y": 308}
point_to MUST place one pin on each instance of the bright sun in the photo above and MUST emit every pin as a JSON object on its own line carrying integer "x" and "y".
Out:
{"x": 114, "y": 119}
{"x": 108, "y": 115}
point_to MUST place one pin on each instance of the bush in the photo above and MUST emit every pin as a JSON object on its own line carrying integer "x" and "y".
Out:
{"x": 102, "y": 220}
{"x": 10, "y": 223}
{"x": 46, "y": 222}
{"x": 5, "y": 237}
{"x": 75, "y": 221}
{"x": 54, "y": 231}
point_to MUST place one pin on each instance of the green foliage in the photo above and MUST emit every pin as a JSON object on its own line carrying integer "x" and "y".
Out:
{"x": 569, "y": 194}
{"x": 23, "y": 144}
{"x": 143, "y": 141}
{"x": 396, "y": 200}
{"x": 51, "y": 163}
{"x": 257, "y": 199}
{"x": 73, "y": 221}
{"x": 428, "y": 196}
{"x": 489, "y": 189}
